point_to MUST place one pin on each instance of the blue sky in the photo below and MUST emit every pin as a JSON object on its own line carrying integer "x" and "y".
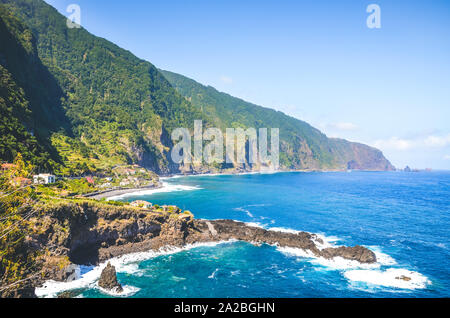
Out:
{"x": 314, "y": 60}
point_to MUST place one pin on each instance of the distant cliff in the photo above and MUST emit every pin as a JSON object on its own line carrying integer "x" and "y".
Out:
{"x": 302, "y": 146}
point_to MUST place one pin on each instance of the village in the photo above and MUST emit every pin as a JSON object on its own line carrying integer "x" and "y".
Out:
{"x": 123, "y": 178}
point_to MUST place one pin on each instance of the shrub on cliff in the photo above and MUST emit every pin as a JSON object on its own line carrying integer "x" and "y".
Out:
{"x": 16, "y": 208}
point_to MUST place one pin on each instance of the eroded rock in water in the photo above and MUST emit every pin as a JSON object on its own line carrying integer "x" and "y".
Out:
{"x": 108, "y": 279}
{"x": 356, "y": 253}
{"x": 404, "y": 278}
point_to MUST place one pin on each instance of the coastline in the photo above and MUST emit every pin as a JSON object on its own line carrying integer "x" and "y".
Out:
{"x": 353, "y": 270}
{"x": 107, "y": 194}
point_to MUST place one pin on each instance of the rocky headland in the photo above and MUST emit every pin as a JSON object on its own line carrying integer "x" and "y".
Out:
{"x": 92, "y": 232}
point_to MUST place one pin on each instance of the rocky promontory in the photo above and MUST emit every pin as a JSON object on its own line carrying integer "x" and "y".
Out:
{"x": 91, "y": 232}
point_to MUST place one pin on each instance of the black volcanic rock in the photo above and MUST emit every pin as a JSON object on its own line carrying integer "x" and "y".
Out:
{"x": 356, "y": 253}
{"x": 221, "y": 230}
{"x": 108, "y": 279}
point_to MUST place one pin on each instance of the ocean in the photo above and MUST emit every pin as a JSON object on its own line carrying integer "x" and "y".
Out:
{"x": 403, "y": 217}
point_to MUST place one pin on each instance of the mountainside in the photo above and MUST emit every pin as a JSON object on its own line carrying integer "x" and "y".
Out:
{"x": 119, "y": 108}
{"x": 302, "y": 146}
{"x": 75, "y": 103}
{"x": 29, "y": 96}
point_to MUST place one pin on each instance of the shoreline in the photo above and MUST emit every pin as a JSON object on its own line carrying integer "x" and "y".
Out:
{"x": 118, "y": 192}
{"x": 126, "y": 235}
{"x": 351, "y": 269}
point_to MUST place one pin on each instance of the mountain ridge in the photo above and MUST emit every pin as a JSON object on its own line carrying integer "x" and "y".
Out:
{"x": 224, "y": 108}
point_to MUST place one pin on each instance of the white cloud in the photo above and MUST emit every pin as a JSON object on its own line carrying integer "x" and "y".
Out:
{"x": 438, "y": 141}
{"x": 402, "y": 144}
{"x": 343, "y": 126}
{"x": 226, "y": 79}
{"x": 394, "y": 143}
{"x": 447, "y": 157}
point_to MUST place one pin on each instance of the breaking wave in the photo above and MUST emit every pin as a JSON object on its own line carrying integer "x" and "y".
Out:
{"x": 123, "y": 264}
{"x": 166, "y": 187}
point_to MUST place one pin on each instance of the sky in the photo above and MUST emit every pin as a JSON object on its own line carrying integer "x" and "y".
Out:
{"x": 315, "y": 60}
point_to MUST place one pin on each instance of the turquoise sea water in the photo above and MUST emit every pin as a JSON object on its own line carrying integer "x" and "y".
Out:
{"x": 403, "y": 217}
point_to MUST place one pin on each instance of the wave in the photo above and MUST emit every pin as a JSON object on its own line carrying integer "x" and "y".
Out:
{"x": 128, "y": 291}
{"x": 337, "y": 263}
{"x": 166, "y": 187}
{"x": 389, "y": 278}
{"x": 123, "y": 264}
{"x": 245, "y": 211}
{"x": 366, "y": 273}
{"x": 255, "y": 224}
{"x": 213, "y": 275}
{"x": 359, "y": 272}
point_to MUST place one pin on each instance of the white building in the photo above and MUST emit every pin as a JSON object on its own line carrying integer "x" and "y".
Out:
{"x": 44, "y": 179}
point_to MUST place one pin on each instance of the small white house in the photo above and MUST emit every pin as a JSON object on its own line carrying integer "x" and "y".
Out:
{"x": 44, "y": 179}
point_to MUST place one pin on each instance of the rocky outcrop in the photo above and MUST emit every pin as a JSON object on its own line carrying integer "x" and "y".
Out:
{"x": 222, "y": 230}
{"x": 404, "y": 278}
{"x": 90, "y": 232}
{"x": 108, "y": 279}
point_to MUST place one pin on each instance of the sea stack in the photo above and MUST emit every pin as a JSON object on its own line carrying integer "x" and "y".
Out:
{"x": 108, "y": 279}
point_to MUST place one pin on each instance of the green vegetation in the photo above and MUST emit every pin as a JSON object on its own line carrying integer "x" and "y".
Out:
{"x": 17, "y": 262}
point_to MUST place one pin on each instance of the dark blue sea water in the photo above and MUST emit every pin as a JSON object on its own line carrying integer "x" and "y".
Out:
{"x": 403, "y": 217}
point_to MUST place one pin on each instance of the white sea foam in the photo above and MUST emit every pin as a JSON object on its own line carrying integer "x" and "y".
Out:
{"x": 213, "y": 275}
{"x": 336, "y": 263}
{"x": 389, "y": 278}
{"x": 255, "y": 224}
{"x": 128, "y": 291}
{"x": 322, "y": 242}
{"x": 177, "y": 176}
{"x": 382, "y": 258}
{"x": 123, "y": 264}
{"x": 364, "y": 273}
{"x": 245, "y": 211}
{"x": 166, "y": 187}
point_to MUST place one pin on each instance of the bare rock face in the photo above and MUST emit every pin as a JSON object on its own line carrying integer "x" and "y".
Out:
{"x": 108, "y": 279}
{"x": 221, "y": 230}
{"x": 356, "y": 253}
